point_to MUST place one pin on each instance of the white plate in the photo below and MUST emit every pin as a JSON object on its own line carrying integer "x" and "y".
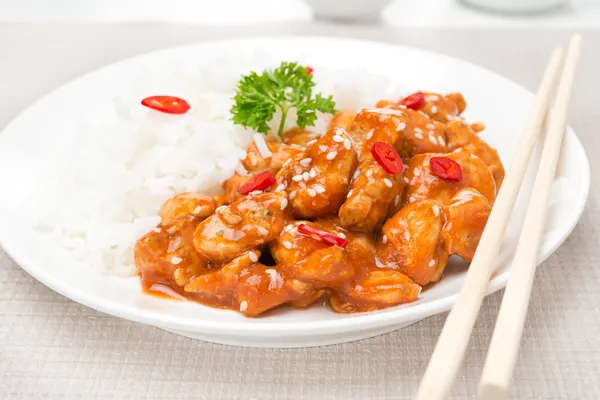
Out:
{"x": 497, "y": 101}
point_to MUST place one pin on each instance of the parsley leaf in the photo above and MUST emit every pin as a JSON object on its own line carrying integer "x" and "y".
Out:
{"x": 290, "y": 86}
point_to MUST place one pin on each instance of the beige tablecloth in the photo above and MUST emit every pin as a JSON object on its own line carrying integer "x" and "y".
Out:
{"x": 51, "y": 347}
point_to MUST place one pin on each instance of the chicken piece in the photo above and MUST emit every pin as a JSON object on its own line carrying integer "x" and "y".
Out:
{"x": 299, "y": 137}
{"x": 317, "y": 183}
{"x": 231, "y": 186}
{"x": 243, "y": 284}
{"x": 304, "y": 294}
{"x": 421, "y": 183}
{"x": 410, "y": 242}
{"x": 444, "y": 108}
{"x": 459, "y": 100}
{"x": 377, "y": 125}
{"x": 378, "y": 288}
{"x": 255, "y": 162}
{"x": 461, "y": 135}
{"x": 241, "y": 226}
{"x": 185, "y": 205}
{"x": 166, "y": 256}
{"x": 310, "y": 260}
{"x": 373, "y": 193}
{"x": 343, "y": 120}
{"x": 437, "y": 107}
{"x": 466, "y": 216}
{"x": 422, "y": 135}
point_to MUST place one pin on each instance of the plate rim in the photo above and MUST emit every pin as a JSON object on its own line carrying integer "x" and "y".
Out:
{"x": 359, "y": 321}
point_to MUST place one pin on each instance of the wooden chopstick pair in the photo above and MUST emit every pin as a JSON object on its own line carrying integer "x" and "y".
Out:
{"x": 454, "y": 338}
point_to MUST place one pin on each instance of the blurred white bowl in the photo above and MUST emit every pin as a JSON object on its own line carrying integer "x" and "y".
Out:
{"x": 517, "y": 6}
{"x": 347, "y": 9}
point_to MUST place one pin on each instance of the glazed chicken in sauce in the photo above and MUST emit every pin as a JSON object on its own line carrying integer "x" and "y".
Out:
{"x": 362, "y": 216}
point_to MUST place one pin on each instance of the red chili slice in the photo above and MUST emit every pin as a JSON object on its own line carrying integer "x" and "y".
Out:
{"x": 445, "y": 168}
{"x": 309, "y": 70}
{"x": 415, "y": 101}
{"x": 387, "y": 157}
{"x": 262, "y": 181}
{"x": 167, "y": 104}
{"x": 323, "y": 236}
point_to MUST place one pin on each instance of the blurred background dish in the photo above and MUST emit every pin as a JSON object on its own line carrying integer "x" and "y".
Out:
{"x": 516, "y": 6}
{"x": 347, "y": 9}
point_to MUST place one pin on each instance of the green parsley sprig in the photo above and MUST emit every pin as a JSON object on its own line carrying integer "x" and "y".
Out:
{"x": 257, "y": 98}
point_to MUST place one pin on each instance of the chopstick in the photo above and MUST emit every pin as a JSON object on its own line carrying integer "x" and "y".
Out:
{"x": 448, "y": 353}
{"x": 504, "y": 347}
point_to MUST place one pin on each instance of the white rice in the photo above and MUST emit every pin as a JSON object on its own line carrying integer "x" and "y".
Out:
{"x": 119, "y": 171}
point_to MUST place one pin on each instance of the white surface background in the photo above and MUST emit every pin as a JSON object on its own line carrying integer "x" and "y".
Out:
{"x": 403, "y": 13}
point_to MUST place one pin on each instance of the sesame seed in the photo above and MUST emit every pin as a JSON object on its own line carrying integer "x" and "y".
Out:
{"x": 197, "y": 210}
{"x": 331, "y": 155}
{"x": 384, "y": 239}
{"x": 369, "y": 134}
{"x": 342, "y": 235}
{"x": 418, "y": 130}
{"x": 416, "y": 172}
{"x": 253, "y": 256}
{"x": 432, "y": 263}
{"x": 176, "y": 260}
{"x": 458, "y": 150}
{"x": 292, "y": 194}
{"x": 280, "y": 187}
{"x": 322, "y": 148}
{"x": 156, "y": 230}
{"x": 296, "y": 146}
{"x": 419, "y": 135}
{"x": 406, "y": 180}
{"x": 313, "y": 172}
{"x": 433, "y": 140}
{"x": 431, "y": 133}
{"x": 407, "y": 235}
{"x": 396, "y": 200}
{"x": 305, "y": 162}
{"x": 220, "y": 208}
{"x": 284, "y": 204}
{"x": 430, "y": 126}
{"x": 474, "y": 156}
{"x": 432, "y": 97}
{"x": 434, "y": 109}
{"x": 311, "y": 192}
{"x": 297, "y": 178}
{"x": 311, "y": 142}
{"x": 306, "y": 176}
{"x": 369, "y": 173}
{"x": 172, "y": 230}
{"x": 387, "y": 182}
{"x": 339, "y": 131}
{"x": 262, "y": 231}
{"x": 442, "y": 141}
{"x": 243, "y": 306}
{"x": 319, "y": 188}
{"x": 347, "y": 144}
{"x": 356, "y": 173}
{"x": 436, "y": 210}
{"x": 349, "y": 194}
{"x": 255, "y": 192}
{"x": 400, "y": 127}
{"x": 338, "y": 139}
{"x": 288, "y": 227}
{"x": 289, "y": 160}
{"x": 423, "y": 114}
{"x": 287, "y": 245}
{"x": 411, "y": 199}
